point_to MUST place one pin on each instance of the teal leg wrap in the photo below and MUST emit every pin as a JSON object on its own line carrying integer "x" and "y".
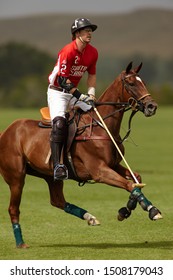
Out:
{"x": 74, "y": 210}
{"x": 143, "y": 201}
{"x": 17, "y": 234}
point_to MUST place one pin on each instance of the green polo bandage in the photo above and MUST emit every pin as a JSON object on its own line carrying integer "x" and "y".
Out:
{"x": 18, "y": 234}
{"x": 143, "y": 201}
{"x": 74, "y": 210}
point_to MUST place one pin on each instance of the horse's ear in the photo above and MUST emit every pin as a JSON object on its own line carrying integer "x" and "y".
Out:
{"x": 137, "y": 69}
{"x": 129, "y": 67}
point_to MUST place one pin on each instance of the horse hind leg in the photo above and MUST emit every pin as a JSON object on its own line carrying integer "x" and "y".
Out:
{"x": 57, "y": 199}
{"x": 81, "y": 213}
{"x": 14, "y": 212}
{"x": 135, "y": 197}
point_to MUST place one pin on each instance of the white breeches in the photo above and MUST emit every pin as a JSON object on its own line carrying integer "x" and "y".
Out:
{"x": 60, "y": 102}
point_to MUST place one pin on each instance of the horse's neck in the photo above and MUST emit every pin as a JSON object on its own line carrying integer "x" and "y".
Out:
{"x": 112, "y": 94}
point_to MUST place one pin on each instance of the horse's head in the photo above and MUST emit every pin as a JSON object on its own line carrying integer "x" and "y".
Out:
{"x": 135, "y": 91}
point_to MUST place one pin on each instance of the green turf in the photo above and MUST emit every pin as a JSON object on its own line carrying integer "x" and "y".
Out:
{"x": 53, "y": 234}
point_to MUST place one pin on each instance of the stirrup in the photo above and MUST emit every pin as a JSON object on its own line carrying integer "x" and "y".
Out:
{"x": 60, "y": 172}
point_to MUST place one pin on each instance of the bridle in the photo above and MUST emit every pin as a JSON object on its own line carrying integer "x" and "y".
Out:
{"x": 135, "y": 103}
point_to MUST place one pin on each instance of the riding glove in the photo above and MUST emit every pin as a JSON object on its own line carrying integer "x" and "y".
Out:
{"x": 87, "y": 98}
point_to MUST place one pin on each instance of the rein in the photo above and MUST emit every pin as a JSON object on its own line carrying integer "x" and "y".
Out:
{"x": 133, "y": 103}
{"x": 124, "y": 106}
{"x": 130, "y": 118}
{"x": 97, "y": 103}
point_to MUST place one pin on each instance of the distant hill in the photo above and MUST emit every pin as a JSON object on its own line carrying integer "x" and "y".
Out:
{"x": 146, "y": 32}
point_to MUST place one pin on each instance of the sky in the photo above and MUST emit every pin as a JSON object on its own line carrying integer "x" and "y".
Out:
{"x": 20, "y": 8}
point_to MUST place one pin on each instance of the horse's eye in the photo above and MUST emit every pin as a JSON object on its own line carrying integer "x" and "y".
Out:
{"x": 131, "y": 84}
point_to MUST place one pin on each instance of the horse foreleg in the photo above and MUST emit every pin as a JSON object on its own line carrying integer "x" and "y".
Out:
{"x": 125, "y": 212}
{"x": 57, "y": 199}
{"x": 106, "y": 175}
{"x": 116, "y": 178}
{"x": 154, "y": 213}
{"x": 111, "y": 177}
{"x": 137, "y": 196}
{"x": 124, "y": 172}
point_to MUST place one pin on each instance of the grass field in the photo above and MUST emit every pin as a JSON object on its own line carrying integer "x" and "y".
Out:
{"x": 55, "y": 235}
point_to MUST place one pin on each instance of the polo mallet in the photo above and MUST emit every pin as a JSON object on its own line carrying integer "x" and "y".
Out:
{"x": 137, "y": 184}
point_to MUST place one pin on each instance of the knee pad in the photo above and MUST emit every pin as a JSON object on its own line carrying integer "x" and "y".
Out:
{"x": 59, "y": 129}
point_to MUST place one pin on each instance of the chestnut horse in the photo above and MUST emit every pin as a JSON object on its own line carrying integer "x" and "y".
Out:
{"x": 25, "y": 147}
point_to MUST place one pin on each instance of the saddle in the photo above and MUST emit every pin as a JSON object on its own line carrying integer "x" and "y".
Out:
{"x": 74, "y": 132}
{"x": 72, "y": 125}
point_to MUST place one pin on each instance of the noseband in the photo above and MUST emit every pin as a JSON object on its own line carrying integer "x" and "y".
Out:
{"x": 134, "y": 102}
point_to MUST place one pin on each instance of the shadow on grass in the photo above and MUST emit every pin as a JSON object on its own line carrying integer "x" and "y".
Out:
{"x": 154, "y": 245}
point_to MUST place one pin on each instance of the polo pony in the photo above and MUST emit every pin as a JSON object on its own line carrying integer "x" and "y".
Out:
{"x": 90, "y": 153}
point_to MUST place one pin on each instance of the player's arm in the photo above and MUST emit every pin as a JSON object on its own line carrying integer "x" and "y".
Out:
{"x": 91, "y": 83}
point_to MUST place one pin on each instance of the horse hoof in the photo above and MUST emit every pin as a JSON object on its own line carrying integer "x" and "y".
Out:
{"x": 155, "y": 214}
{"x": 93, "y": 222}
{"x": 22, "y": 246}
{"x": 123, "y": 213}
{"x": 157, "y": 217}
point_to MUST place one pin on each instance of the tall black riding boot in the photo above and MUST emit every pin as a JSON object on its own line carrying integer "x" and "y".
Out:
{"x": 57, "y": 141}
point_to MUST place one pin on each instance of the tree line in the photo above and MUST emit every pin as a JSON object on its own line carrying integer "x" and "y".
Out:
{"x": 24, "y": 74}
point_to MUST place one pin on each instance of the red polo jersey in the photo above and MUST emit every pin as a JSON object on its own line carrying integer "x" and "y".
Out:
{"x": 73, "y": 64}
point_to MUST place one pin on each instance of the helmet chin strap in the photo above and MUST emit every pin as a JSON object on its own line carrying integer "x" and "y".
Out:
{"x": 82, "y": 41}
